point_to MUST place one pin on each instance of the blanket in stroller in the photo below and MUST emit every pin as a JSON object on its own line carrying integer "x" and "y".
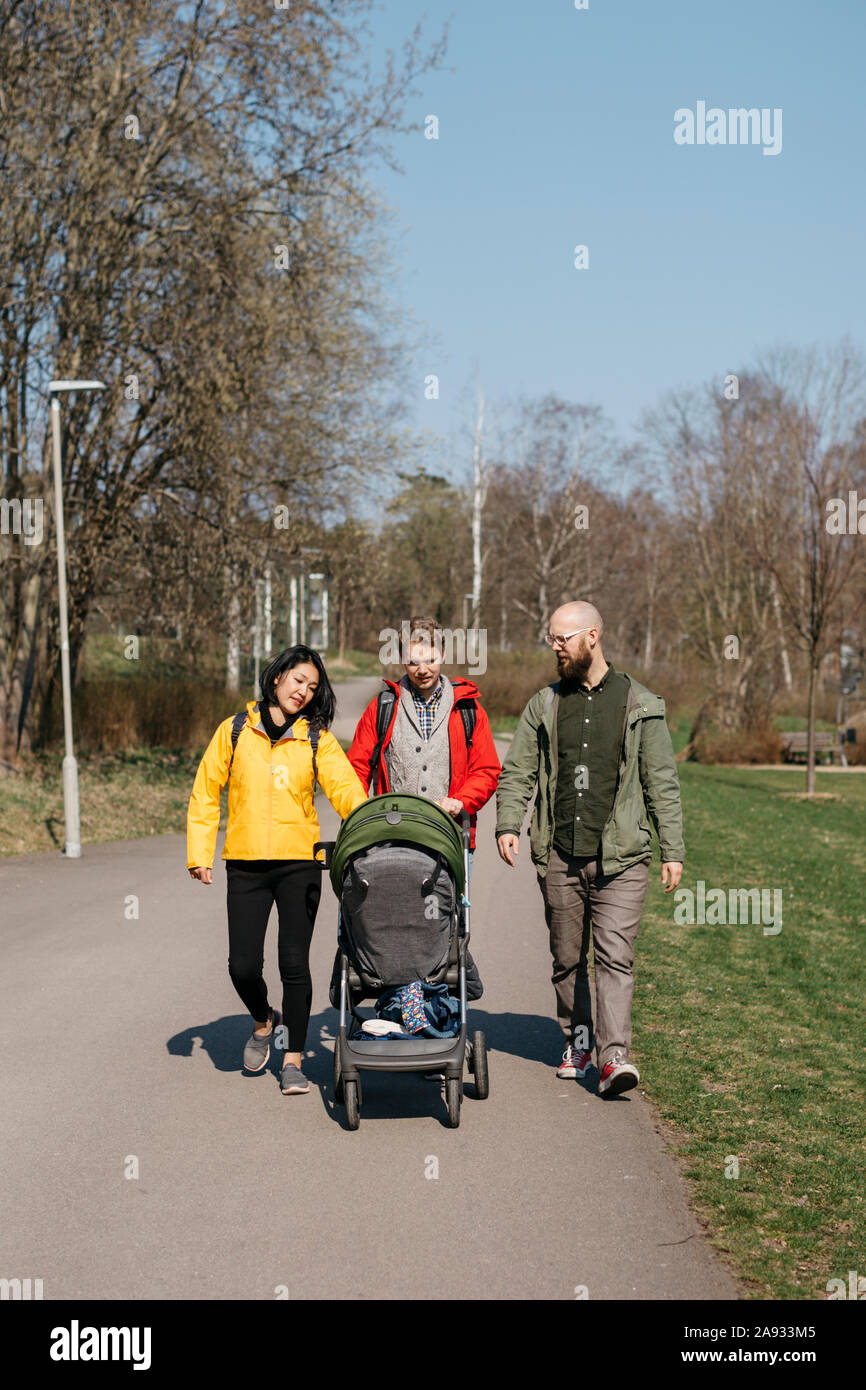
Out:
{"x": 418, "y": 1010}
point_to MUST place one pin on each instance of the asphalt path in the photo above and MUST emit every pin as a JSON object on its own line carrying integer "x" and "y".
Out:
{"x": 140, "y": 1162}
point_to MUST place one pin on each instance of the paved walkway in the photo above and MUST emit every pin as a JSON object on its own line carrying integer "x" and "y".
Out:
{"x": 123, "y": 1041}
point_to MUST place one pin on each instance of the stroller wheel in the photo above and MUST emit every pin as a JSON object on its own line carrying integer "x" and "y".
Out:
{"x": 353, "y": 1104}
{"x": 479, "y": 1066}
{"x": 338, "y": 1075}
{"x": 453, "y": 1097}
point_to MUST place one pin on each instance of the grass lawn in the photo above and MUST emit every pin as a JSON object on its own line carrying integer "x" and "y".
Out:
{"x": 752, "y": 1046}
{"x": 123, "y": 796}
{"x": 164, "y": 658}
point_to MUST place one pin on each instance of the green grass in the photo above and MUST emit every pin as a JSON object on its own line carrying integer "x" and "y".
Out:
{"x": 354, "y": 663}
{"x": 751, "y": 1045}
{"x": 680, "y": 725}
{"x": 799, "y": 724}
{"x": 163, "y": 658}
{"x": 123, "y": 796}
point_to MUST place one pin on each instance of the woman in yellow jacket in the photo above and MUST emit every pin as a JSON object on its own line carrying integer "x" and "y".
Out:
{"x": 283, "y": 746}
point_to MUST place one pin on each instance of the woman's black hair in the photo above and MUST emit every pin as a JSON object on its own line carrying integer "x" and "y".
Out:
{"x": 323, "y": 705}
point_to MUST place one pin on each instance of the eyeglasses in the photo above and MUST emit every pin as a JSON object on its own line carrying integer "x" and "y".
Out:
{"x": 566, "y": 637}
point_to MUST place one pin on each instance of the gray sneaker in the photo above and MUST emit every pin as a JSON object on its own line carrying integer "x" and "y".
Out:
{"x": 258, "y": 1050}
{"x": 292, "y": 1080}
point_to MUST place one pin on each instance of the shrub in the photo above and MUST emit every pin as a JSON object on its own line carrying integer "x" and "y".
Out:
{"x": 117, "y": 713}
{"x": 762, "y": 744}
{"x": 856, "y": 752}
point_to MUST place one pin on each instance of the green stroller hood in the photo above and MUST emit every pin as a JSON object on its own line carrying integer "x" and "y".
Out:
{"x": 402, "y": 819}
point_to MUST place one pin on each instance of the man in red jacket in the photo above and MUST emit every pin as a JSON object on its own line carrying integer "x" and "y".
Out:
{"x": 437, "y": 742}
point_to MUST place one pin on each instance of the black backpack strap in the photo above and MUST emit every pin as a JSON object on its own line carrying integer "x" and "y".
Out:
{"x": 314, "y": 743}
{"x": 469, "y": 714}
{"x": 384, "y": 709}
{"x": 238, "y": 723}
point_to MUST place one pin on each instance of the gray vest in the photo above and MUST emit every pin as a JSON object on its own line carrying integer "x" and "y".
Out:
{"x": 416, "y": 765}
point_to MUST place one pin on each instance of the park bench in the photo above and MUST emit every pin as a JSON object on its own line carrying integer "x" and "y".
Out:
{"x": 796, "y": 746}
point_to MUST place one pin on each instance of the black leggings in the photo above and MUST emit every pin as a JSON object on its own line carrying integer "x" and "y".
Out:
{"x": 254, "y": 885}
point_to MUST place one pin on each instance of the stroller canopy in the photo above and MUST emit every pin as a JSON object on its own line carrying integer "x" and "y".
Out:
{"x": 402, "y": 819}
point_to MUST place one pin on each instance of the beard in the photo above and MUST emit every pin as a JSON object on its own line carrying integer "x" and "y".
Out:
{"x": 574, "y": 668}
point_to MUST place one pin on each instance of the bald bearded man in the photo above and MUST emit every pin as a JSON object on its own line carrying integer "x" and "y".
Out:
{"x": 596, "y": 746}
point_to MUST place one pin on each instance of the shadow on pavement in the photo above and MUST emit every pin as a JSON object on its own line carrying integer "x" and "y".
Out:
{"x": 529, "y": 1036}
{"x": 536, "y": 1039}
{"x": 223, "y": 1041}
{"x": 392, "y": 1095}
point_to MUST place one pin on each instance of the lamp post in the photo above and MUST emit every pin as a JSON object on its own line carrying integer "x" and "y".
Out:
{"x": 71, "y": 815}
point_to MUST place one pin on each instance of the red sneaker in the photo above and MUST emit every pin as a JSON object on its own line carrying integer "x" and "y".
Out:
{"x": 574, "y": 1064}
{"x": 617, "y": 1076}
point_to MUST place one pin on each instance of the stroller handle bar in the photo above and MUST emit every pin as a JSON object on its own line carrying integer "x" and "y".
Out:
{"x": 326, "y": 847}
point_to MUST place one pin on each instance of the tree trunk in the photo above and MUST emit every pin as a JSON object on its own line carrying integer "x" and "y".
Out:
{"x": 783, "y": 649}
{"x": 478, "y": 497}
{"x": 648, "y": 644}
{"x": 810, "y": 752}
{"x": 341, "y": 626}
{"x": 543, "y": 616}
{"x": 233, "y": 636}
{"x": 17, "y": 721}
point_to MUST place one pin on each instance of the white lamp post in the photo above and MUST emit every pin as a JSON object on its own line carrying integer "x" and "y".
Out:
{"x": 71, "y": 813}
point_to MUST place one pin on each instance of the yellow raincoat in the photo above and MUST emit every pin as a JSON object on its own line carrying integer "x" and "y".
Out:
{"x": 271, "y": 814}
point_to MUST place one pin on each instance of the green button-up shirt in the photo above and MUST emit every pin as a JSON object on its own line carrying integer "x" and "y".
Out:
{"x": 589, "y": 734}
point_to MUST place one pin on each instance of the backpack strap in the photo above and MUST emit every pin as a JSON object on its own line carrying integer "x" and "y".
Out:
{"x": 238, "y": 723}
{"x": 469, "y": 714}
{"x": 314, "y": 743}
{"x": 240, "y": 720}
{"x": 384, "y": 709}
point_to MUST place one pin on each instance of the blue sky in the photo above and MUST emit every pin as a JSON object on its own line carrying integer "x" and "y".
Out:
{"x": 556, "y": 128}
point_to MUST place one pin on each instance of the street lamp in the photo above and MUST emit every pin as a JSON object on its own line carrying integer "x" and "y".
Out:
{"x": 71, "y": 816}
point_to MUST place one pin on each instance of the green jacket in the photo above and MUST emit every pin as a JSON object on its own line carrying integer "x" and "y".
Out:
{"x": 647, "y": 786}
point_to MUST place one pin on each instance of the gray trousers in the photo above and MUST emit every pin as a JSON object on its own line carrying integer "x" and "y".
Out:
{"x": 578, "y": 897}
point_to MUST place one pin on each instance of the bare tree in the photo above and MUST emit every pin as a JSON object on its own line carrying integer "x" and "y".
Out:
{"x": 558, "y": 447}
{"x": 712, "y": 448}
{"x": 185, "y": 212}
{"x": 817, "y": 458}
{"x": 480, "y": 483}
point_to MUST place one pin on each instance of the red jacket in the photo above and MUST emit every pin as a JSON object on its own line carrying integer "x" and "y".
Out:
{"x": 473, "y": 783}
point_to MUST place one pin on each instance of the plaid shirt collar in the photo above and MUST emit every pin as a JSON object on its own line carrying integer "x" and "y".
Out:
{"x": 427, "y": 710}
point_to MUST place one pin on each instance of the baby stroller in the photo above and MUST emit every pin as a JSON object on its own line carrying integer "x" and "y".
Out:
{"x": 399, "y": 868}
